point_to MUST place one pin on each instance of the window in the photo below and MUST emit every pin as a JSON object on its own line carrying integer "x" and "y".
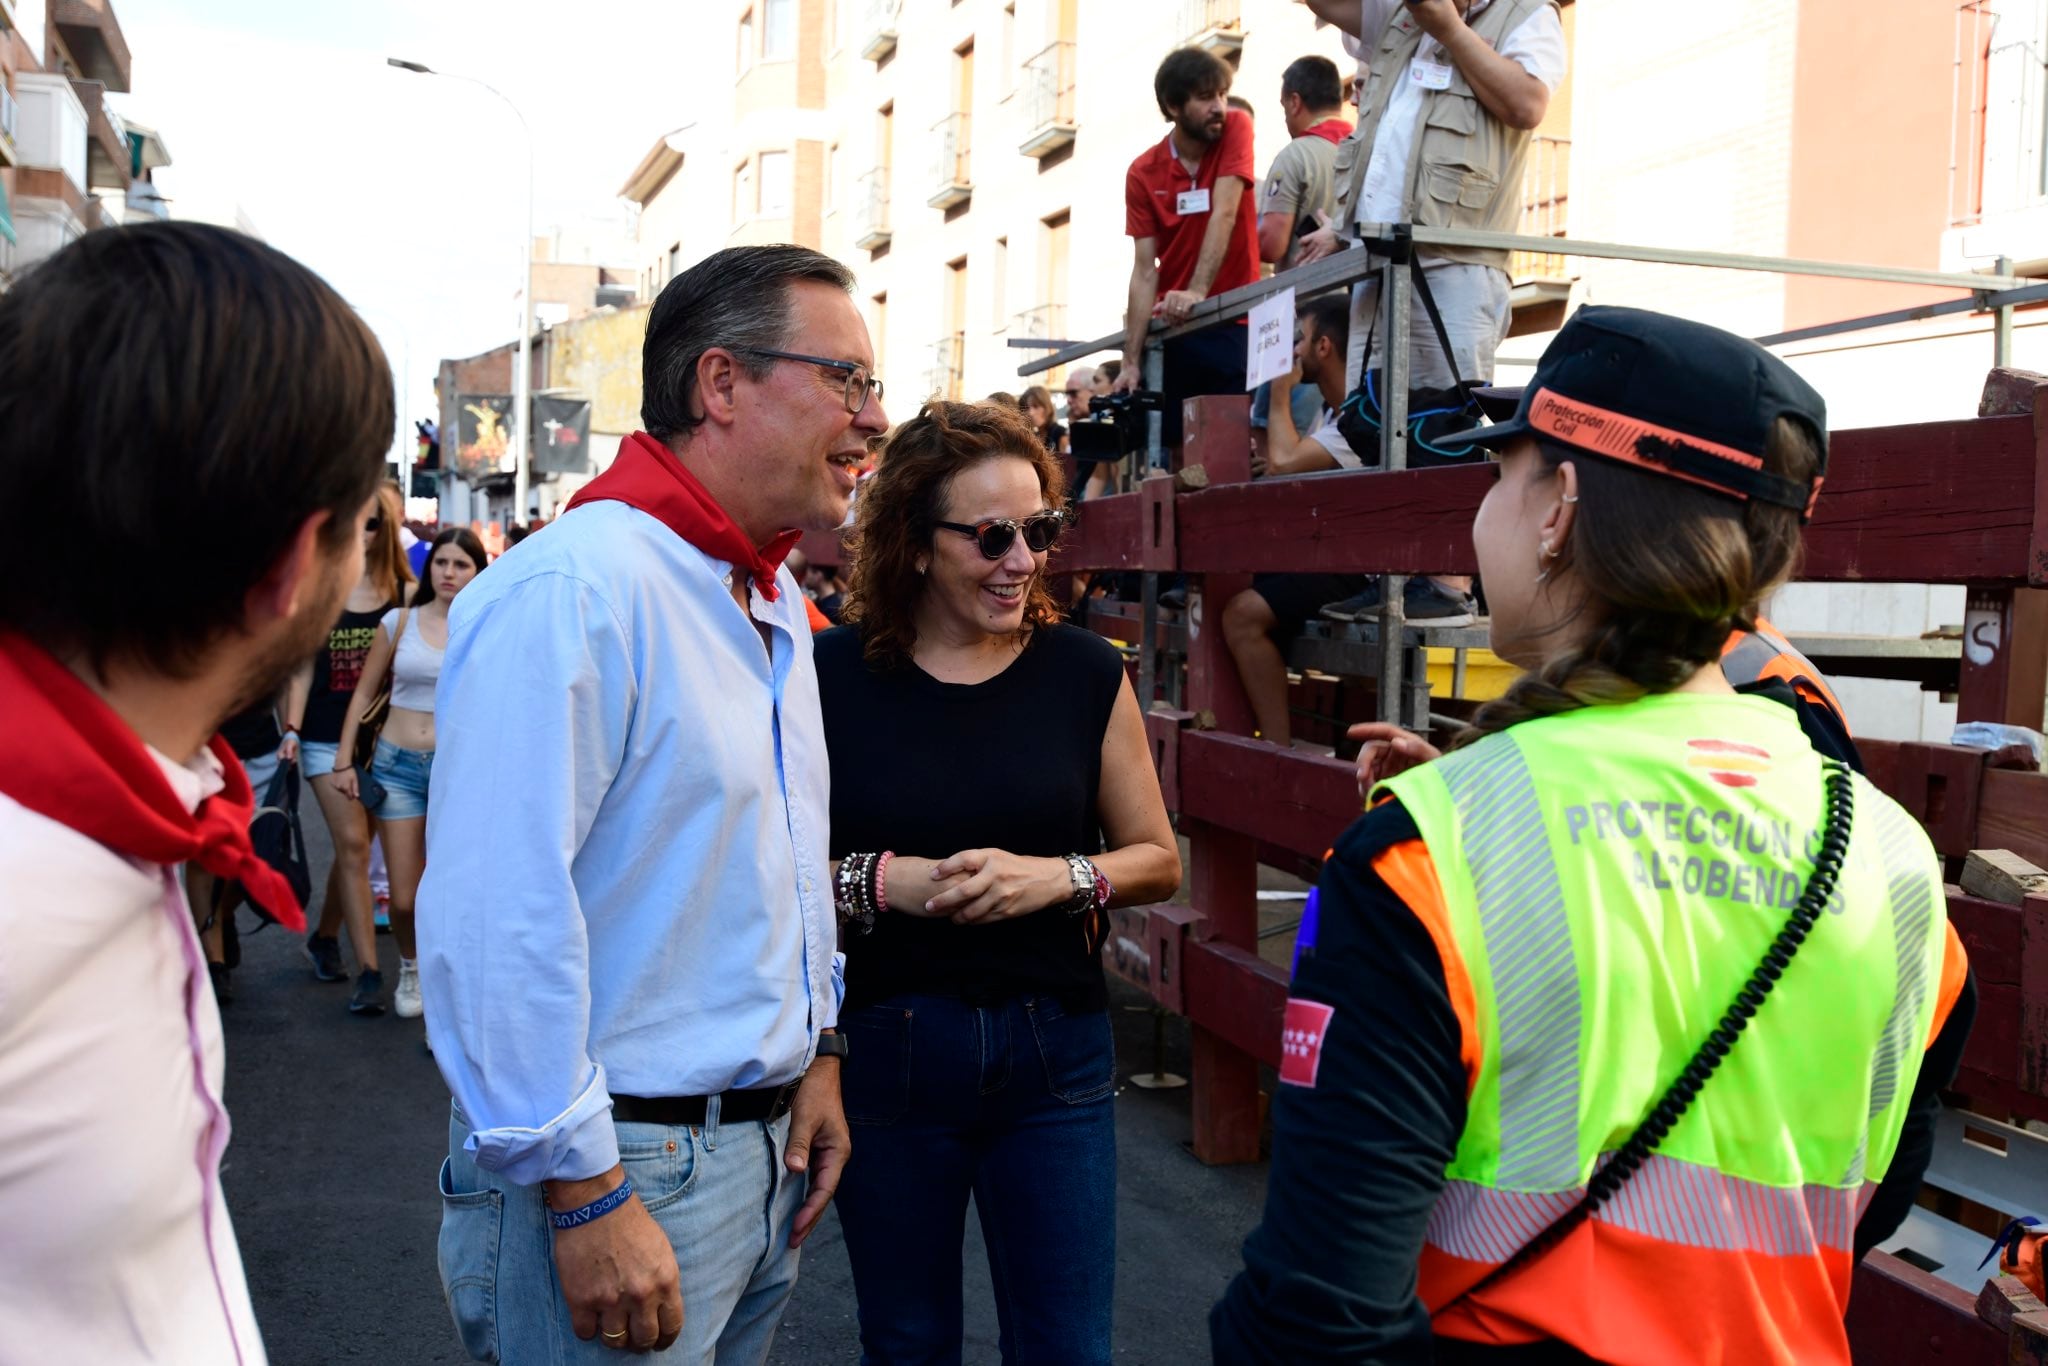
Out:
{"x": 1056, "y": 231}
{"x": 743, "y": 203}
{"x": 778, "y": 30}
{"x": 775, "y": 184}
{"x": 832, "y": 178}
{"x": 675, "y": 260}
{"x": 1009, "y": 49}
{"x": 1002, "y": 272}
{"x": 878, "y": 319}
{"x": 746, "y": 55}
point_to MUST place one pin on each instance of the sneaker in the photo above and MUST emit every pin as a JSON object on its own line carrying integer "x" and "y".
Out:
{"x": 369, "y": 994}
{"x": 1425, "y": 602}
{"x": 324, "y": 953}
{"x": 223, "y": 992}
{"x": 405, "y": 1001}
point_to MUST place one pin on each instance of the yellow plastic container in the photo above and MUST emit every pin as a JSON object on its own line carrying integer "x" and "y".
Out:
{"x": 1487, "y": 675}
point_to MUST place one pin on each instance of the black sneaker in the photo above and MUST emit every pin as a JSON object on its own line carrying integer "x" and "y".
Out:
{"x": 1424, "y": 602}
{"x": 324, "y": 953}
{"x": 369, "y": 994}
{"x": 223, "y": 992}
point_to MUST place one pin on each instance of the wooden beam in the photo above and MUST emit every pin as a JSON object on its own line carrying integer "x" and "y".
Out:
{"x": 2001, "y": 875}
{"x": 1296, "y": 801}
{"x": 1104, "y": 536}
{"x": 2012, "y": 813}
{"x": 1935, "y": 502}
{"x": 1900, "y": 1315}
{"x": 1237, "y": 996}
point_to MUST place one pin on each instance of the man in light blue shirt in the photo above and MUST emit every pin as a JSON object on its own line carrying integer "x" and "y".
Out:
{"x": 627, "y": 927}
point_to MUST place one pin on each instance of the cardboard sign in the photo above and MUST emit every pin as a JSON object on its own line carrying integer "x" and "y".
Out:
{"x": 1271, "y": 339}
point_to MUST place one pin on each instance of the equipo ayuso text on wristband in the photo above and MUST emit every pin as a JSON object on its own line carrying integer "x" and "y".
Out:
{"x": 596, "y": 1209}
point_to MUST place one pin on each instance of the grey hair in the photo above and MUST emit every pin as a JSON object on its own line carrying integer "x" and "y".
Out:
{"x": 735, "y": 298}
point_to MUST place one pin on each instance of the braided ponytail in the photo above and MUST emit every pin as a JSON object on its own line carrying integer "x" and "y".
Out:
{"x": 1667, "y": 569}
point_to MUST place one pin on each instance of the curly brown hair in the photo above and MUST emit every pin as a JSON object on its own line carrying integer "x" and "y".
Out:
{"x": 901, "y": 506}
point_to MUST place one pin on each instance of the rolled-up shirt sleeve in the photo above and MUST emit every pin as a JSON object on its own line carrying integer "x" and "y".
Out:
{"x": 535, "y": 700}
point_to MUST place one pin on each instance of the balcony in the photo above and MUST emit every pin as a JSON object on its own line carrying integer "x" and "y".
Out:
{"x": 1546, "y": 193}
{"x": 948, "y": 358}
{"x": 1048, "y": 102}
{"x": 93, "y": 36}
{"x": 1214, "y": 26}
{"x": 878, "y": 28}
{"x": 950, "y": 183}
{"x": 10, "y": 126}
{"x": 871, "y": 210}
{"x": 1047, "y": 322}
{"x": 108, "y": 157}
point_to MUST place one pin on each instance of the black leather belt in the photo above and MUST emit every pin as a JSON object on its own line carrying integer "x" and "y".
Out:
{"x": 768, "y": 1103}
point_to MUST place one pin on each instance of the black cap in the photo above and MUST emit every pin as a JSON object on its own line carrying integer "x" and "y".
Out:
{"x": 1668, "y": 395}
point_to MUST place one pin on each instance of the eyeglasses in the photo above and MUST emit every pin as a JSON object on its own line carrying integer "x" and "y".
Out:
{"x": 860, "y": 381}
{"x": 998, "y": 534}
{"x": 374, "y": 524}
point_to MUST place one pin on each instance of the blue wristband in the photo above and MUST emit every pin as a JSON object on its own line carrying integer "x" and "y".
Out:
{"x": 596, "y": 1209}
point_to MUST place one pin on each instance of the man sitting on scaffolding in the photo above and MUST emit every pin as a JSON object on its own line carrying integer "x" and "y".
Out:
{"x": 1453, "y": 89}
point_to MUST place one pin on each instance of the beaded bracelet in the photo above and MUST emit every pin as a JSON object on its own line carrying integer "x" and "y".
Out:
{"x": 603, "y": 1205}
{"x": 882, "y": 880}
{"x": 854, "y": 892}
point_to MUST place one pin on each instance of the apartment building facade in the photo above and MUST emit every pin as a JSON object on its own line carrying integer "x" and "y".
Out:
{"x": 69, "y": 163}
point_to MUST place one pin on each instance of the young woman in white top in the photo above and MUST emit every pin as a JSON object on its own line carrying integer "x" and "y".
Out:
{"x": 409, "y": 643}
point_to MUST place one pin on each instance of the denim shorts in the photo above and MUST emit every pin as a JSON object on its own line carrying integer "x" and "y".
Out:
{"x": 316, "y": 757}
{"x": 261, "y": 770}
{"x": 404, "y": 774}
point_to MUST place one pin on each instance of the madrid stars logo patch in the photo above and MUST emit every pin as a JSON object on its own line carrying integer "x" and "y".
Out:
{"x": 1301, "y": 1041}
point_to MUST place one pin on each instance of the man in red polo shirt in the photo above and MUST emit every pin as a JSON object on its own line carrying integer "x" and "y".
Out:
{"x": 1194, "y": 229}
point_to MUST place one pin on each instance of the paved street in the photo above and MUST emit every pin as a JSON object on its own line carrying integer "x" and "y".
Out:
{"x": 341, "y": 1123}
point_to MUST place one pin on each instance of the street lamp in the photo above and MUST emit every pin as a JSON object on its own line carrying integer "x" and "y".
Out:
{"x": 522, "y": 375}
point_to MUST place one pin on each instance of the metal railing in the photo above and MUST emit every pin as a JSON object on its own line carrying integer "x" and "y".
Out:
{"x": 1997, "y": 293}
{"x": 1546, "y": 192}
{"x": 871, "y": 209}
{"x": 878, "y": 23}
{"x": 1048, "y": 103}
{"x": 1043, "y": 323}
{"x": 1202, "y": 20}
{"x": 949, "y": 357}
{"x": 10, "y": 115}
{"x": 949, "y": 179}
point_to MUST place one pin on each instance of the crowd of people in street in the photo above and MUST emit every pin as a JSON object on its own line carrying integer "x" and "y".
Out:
{"x": 731, "y": 888}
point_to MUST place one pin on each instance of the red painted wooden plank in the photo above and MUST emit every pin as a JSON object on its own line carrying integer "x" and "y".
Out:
{"x": 2012, "y": 813}
{"x": 1357, "y": 522}
{"x": 1223, "y": 1100}
{"x": 1930, "y": 502}
{"x": 1296, "y": 801}
{"x": 1939, "y": 785}
{"x": 1236, "y": 995}
{"x": 1104, "y": 536}
{"x": 2037, "y": 564}
{"x": 1900, "y": 1315}
{"x": 1990, "y": 932}
{"x": 1935, "y": 502}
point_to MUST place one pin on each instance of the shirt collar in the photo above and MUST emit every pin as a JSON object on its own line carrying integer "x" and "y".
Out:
{"x": 193, "y": 782}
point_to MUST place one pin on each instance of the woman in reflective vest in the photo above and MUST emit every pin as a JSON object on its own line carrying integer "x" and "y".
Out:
{"x": 1524, "y": 943}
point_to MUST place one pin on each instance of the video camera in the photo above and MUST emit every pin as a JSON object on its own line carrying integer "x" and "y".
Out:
{"x": 1115, "y": 425}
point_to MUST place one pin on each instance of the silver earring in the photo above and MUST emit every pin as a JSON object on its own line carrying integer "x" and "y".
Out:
{"x": 1548, "y": 553}
{"x": 1571, "y": 497}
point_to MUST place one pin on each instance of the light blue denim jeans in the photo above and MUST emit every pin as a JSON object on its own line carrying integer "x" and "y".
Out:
{"x": 721, "y": 1194}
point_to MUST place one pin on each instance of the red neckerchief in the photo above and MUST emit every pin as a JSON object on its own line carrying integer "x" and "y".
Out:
{"x": 647, "y": 475}
{"x": 66, "y": 755}
{"x": 1329, "y": 130}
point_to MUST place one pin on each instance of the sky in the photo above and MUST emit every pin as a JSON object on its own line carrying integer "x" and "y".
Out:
{"x": 407, "y": 192}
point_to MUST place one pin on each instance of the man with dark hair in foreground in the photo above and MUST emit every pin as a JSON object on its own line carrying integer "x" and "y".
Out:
{"x": 627, "y": 926}
{"x": 211, "y": 419}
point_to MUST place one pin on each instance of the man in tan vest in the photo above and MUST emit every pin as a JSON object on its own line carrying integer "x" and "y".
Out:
{"x": 1452, "y": 90}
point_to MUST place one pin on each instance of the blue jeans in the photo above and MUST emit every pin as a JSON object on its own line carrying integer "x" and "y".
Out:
{"x": 1013, "y": 1104}
{"x": 720, "y": 1193}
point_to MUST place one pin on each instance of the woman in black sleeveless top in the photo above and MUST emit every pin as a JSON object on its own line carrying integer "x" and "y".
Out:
{"x": 983, "y": 758}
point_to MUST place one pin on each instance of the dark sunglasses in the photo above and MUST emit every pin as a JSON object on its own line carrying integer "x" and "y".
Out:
{"x": 998, "y": 534}
{"x": 374, "y": 524}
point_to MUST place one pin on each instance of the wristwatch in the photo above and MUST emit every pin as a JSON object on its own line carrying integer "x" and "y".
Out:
{"x": 832, "y": 1045}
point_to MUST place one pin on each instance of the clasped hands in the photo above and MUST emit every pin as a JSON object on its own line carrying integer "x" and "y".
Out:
{"x": 977, "y": 886}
